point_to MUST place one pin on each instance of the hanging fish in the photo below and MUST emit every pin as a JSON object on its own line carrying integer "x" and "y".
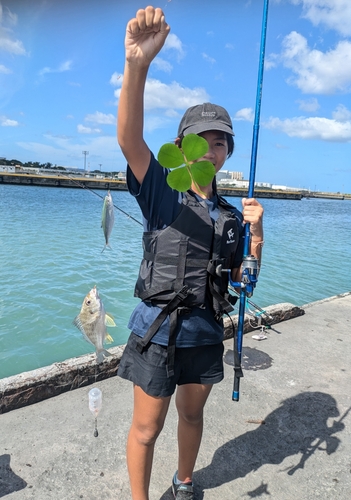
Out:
{"x": 92, "y": 321}
{"x": 107, "y": 219}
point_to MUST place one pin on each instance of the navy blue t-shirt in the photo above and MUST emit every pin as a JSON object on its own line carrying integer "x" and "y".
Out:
{"x": 160, "y": 206}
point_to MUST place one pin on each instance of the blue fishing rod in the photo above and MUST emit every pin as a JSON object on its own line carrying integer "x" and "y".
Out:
{"x": 250, "y": 263}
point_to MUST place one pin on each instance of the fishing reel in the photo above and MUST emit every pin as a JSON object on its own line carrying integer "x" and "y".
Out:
{"x": 248, "y": 277}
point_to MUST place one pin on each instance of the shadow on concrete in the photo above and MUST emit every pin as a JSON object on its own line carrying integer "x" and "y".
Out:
{"x": 297, "y": 427}
{"x": 9, "y": 481}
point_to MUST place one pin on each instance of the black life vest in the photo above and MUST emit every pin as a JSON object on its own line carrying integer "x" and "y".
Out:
{"x": 180, "y": 266}
{"x": 188, "y": 253}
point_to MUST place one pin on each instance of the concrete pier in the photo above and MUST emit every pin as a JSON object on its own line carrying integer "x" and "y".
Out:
{"x": 288, "y": 438}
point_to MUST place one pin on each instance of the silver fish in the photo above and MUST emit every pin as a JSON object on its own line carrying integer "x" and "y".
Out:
{"x": 107, "y": 219}
{"x": 92, "y": 321}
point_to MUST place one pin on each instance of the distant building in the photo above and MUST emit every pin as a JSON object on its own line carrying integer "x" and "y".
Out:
{"x": 263, "y": 185}
{"x": 74, "y": 169}
{"x": 29, "y": 170}
{"x": 237, "y": 175}
{"x": 8, "y": 168}
{"x": 233, "y": 183}
{"x": 121, "y": 176}
{"x": 229, "y": 175}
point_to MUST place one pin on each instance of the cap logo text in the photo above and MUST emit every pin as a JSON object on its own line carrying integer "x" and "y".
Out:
{"x": 210, "y": 114}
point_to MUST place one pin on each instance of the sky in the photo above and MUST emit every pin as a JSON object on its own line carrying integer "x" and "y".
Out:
{"x": 61, "y": 71}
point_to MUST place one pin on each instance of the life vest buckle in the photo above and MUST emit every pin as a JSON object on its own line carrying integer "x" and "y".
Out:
{"x": 183, "y": 292}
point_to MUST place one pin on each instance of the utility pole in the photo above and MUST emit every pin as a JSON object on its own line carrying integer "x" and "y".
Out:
{"x": 85, "y": 153}
{"x": 100, "y": 165}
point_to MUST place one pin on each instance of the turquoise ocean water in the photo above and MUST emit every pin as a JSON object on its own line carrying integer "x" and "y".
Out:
{"x": 50, "y": 257}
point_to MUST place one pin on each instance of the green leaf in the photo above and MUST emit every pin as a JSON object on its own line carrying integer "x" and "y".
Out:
{"x": 170, "y": 156}
{"x": 194, "y": 147}
{"x": 203, "y": 172}
{"x": 179, "y": 179}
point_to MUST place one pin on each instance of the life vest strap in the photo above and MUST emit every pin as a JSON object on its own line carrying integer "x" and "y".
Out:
{"x": 170, "y": 309}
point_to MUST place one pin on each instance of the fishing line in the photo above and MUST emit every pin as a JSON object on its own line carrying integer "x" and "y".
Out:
{"x": 96, "y": 194}
{"x": 99, "y": 195}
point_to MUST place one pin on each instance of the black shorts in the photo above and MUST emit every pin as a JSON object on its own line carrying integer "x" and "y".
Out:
{"x": 192, "y": 365}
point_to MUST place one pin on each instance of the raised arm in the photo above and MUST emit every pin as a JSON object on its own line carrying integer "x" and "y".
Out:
{"x": 145, "y": 36}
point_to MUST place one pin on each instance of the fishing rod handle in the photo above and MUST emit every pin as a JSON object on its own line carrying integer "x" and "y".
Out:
{"x": 235, "y": 396}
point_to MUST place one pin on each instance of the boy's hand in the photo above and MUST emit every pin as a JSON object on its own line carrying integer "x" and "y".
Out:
{"x": 253, "y": 213}
{"x": 145, "y": 36}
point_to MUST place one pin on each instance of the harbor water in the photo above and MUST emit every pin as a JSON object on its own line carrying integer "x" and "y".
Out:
{"x": 51, "y": 255}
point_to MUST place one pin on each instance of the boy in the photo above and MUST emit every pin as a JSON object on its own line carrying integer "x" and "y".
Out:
{"x": 177, "y": 330}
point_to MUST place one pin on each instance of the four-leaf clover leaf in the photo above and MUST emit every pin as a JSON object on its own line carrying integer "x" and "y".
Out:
{"x": 185, "y": 170}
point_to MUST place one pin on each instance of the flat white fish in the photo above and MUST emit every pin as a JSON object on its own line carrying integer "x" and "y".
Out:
{"x": 107, "y": 218}
{"x": 92, "y": 321}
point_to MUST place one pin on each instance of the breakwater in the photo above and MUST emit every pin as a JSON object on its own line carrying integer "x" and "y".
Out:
{"x": 37, "y": 385}
{"x": 60, "y": 180}
{"x": 109, "y": 183}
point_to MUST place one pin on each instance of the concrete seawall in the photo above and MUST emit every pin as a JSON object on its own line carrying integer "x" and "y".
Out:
{"x": 70, "y": 181}
{"x": 37, "y": 385}
{"x": 288, "y": 438}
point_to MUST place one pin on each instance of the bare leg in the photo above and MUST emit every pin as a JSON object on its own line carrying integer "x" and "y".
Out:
{"x": 190, "y": 401}
{"x": 148, "y": 418}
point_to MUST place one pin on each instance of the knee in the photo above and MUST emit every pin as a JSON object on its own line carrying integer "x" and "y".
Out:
{"x": 146, "y": 435}
{"x": 191, "y": 417}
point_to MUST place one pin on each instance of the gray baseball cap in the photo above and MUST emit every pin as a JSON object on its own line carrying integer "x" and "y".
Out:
{"x": 204, "y": 117}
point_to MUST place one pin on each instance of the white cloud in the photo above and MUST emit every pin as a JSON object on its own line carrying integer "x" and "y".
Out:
{"x": 312, "y": 128}
{"x": 244, "y": 114}
{"x": 101, "y": 118}
{"x": 342, "y": 114}
{"x": 152, "y": 123}
{"x": 67, "y": 151}
{"x": 271, "y": 61}
{"x": 8, "y": 43}
{"x": 175, "y": 96}
{"x": 160, "y": 95}
{"x": 6, "y": 122}
{"x": 334, "y": 14}
{"x": 87, "y": 130}
{"x": 172, "y": 113}
{"x": 317, "y": 72}
{"x": 208, "y": 58}
{"x": 7, "y": 16}
{"x": 173, "y": 42}
{"x": 161, "y": 102}
{"x": 162, "y": 65}
{"x": 309, "y": 105}
{"x": 4, "y": 70}
{"x": 116, "y": 79}
{"x": 65, "y": 66}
